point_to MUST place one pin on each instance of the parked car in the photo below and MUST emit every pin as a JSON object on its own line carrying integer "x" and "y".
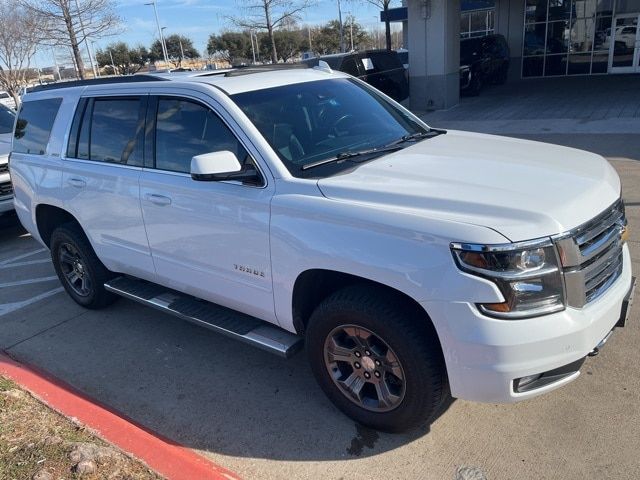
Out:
{"x": 7, "y": 119}
{"x": 380, "y": 68}
{"x": 7, "y": 100}
{"x": 625, "y": 38}
{"x": 277, "y": 205}
{"x": 483, "y": 60}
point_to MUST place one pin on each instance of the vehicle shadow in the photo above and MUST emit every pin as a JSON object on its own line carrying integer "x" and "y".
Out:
{"x": 198, "y": 388}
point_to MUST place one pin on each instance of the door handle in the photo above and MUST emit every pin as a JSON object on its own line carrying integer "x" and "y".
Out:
{"x": 160, "y": 200}
{"x": 77, "y": 182}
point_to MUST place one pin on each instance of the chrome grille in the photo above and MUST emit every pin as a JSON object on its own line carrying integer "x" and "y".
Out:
{"x": 591, "y": 256}
{"x": 4, "y": 168}
{"x": 6, "y": 189}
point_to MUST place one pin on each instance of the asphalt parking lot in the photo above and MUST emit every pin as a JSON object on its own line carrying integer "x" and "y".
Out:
{"x": 264, "y": 417}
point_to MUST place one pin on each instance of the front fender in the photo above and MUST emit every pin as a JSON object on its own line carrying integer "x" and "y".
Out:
{"x": 407, "y": 252}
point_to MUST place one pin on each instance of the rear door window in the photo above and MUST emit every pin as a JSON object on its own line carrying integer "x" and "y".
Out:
{"x": 109, "y": 130}
{"x": 34, "y": 124}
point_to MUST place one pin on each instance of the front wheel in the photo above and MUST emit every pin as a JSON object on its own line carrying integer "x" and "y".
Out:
{"x": 80, "y": 271}
{"x": 376, "y": 358}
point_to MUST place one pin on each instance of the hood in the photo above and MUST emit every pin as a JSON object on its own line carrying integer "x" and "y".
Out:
{"x": 522, "y": 189}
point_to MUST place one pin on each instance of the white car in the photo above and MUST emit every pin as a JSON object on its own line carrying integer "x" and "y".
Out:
{"x": 277, "y": 205}
{"x": 7, "y": 119}
{"x": 7, "y": 100}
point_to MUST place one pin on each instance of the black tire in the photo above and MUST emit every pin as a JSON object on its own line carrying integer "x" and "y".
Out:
{"x": 502, "y": 75}
{"x": 405, "y": 331}
{"x": 71, "y": 237}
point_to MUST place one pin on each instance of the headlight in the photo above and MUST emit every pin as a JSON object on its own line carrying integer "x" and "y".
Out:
{"x": 527, "y": 274}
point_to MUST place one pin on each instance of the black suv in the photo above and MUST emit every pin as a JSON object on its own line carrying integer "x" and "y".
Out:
{"x": 483, "y": 60}
{"x": 382, "y": 69}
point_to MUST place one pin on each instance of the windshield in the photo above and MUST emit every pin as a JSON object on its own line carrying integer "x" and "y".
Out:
{"x": 7, "y": 119}
{"x": 307, "y": 123}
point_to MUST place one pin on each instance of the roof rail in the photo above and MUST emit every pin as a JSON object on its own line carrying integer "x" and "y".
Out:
{"x": 97, "y": 81}
{"x": 249, "y": 69}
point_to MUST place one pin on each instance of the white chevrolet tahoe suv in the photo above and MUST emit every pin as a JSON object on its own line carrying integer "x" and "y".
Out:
{"x": 287, "y": 204}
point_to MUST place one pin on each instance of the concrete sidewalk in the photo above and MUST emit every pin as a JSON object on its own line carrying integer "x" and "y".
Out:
{"x": 571, "y": 105}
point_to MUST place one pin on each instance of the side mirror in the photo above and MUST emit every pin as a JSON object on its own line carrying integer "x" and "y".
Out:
{"x": 213, "y": 166}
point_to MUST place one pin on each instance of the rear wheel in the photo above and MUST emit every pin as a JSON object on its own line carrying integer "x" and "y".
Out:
{"x": 80, "y": 271}
{"x": 502, "y": 75}
{"x": 376, "y": 359}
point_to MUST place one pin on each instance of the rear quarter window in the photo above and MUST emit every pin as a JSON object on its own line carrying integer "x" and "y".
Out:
{"x": 34, "y": 124}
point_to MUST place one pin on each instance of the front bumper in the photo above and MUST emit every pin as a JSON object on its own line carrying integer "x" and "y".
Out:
{"x": 485, "y": 356}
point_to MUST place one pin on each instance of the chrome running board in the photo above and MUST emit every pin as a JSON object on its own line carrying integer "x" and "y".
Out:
{"x": 223, "y": 320}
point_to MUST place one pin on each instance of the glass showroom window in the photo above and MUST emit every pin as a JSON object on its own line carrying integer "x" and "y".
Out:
{"x": 477, "y": 23}
{"x": 566, "y": 37}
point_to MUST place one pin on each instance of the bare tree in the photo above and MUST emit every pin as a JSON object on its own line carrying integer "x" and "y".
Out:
{"x": 72, "y": 22}
{"x": 384, "y": 6}
{"x": 269, "y": 15}
{"x": 19, "y": 36}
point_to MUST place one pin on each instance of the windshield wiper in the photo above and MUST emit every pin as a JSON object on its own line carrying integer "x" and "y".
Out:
{"x": 432, "y": 132}
{"x": 342, "y": 156}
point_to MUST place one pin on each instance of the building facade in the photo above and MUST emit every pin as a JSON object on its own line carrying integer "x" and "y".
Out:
{"x": 547, "y": 38}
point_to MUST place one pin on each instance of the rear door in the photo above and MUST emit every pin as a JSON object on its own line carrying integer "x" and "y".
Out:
{"x": 208, "y": 238}
{"x": 102, "y": 166}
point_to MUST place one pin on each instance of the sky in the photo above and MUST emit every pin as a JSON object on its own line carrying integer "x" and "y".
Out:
{"x": 197, "y": 19}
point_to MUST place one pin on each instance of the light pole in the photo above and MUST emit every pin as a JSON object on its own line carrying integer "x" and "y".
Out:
{"x": 55, "y": 63}
{"x": 113, "y": 65}
{"x": 350, "y": 17}
{"x": 341, "y": 28}
{"x": 93, "y": 48}
{"x": 253, "y": 50}
{"x": 162, "y": 44}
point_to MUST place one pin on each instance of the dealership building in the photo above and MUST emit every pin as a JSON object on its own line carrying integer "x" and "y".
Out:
{"x": 547, "y": 38}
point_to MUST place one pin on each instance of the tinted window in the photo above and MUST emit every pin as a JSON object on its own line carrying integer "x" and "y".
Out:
{"x": 386, "y": 61}
{"x": 314, "y": 121}
{"x": 115, "y": 131}
{"x": 7, "y": 119}
{"x": 185, "y": 129}
{"x": 349, "y": 66}
{"x": 34, "y": 125}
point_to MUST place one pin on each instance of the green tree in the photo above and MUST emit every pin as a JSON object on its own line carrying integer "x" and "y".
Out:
{"x": 269, "y": 15}
{"x": 234, "y": 47}
{"x": 326, "y": 39}
{"x": 126, "y": 61}
{"x": 289, "y": 43}
{"x": 179, "y": 48}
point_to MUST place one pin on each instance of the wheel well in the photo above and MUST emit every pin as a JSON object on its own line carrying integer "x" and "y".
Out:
{"x": 48, "y": 218}
{"x": 313, "y": 286}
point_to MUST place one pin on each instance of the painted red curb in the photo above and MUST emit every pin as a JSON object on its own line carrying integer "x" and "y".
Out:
{"x": 162, "y": 455}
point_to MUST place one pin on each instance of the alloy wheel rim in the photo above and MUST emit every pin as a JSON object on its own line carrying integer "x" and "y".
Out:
{"x": 74, "y": 269}
{"x": 364, "y": 368}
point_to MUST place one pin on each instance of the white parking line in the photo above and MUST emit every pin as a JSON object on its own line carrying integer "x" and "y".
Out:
{"x": 12, "y": 307}
{"x": 24, "y": 264}
{"x": 20, "y": 257}
{"x": 28, "y": 282}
